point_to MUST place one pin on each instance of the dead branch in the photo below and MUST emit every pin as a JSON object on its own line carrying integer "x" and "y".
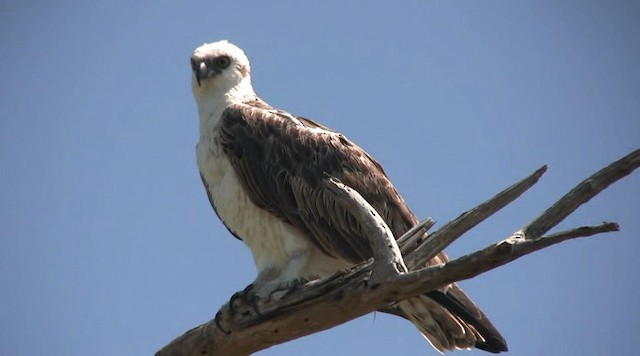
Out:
{"x": 439, "y": 240}
{"x": 242, "y": 327}
{"x": 386, "y": 253}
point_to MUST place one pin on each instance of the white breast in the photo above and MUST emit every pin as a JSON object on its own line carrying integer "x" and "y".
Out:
{"x": 270, "y": 239}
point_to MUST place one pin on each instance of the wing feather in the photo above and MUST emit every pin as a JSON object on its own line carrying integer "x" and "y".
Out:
{"x": 281, "y": 161}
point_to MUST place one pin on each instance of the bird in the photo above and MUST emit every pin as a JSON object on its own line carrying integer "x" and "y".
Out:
{"x": 262, "y": 169}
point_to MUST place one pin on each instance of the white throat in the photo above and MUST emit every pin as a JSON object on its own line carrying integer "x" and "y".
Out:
{"x": 212, "y": 101}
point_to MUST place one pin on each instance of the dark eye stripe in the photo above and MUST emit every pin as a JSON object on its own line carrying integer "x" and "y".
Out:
{"x": 222, "y": 62}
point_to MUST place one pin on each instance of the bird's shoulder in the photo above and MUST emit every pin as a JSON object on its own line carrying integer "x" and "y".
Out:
{"x": 260, "y": 114}
{"x": 254, "y": 125}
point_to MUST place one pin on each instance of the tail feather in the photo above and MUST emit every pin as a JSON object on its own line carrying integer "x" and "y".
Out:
{"x": 443, "y": 330}
{"x": 420, "y": 315}
{"x": 458, "y": 303}
{"x": 450, "y": 320}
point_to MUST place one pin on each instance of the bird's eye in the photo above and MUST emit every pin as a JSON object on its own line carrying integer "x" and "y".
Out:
{"x": 223, "y": 62}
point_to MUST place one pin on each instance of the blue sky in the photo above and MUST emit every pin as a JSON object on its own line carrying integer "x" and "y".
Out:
{"x": 108, "y": 244}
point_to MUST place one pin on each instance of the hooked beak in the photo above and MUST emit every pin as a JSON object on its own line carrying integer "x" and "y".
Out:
{"x": 201, "y": 71}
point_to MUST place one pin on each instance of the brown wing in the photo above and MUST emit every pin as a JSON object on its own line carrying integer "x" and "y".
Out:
{"x": 281, "y": 160}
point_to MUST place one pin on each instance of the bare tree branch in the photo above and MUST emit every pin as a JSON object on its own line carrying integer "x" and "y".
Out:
{"x": 582, "y": 193}
{"x": 442, "y": 238}
{"x": 244, "y": 326}
{"x": 584, "y": 231}
{"x": 496, "y": 255}
{"x": 386, "y": 253}
{"x": 411, "y": 239}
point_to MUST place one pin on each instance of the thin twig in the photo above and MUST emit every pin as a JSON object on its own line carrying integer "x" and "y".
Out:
{"x": 411, "y": 238}
{"x": 584, "y": 231}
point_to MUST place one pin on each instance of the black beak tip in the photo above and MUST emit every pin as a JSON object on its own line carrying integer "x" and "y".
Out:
{"x": 196, "y": 71}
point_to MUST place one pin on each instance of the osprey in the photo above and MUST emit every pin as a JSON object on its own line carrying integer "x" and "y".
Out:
{"x": 262, "y": 169}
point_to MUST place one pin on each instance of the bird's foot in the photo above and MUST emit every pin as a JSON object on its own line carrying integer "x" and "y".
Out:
{"x": 292, "y": 287}
{"x": 258, "y": 295}
{"x": 218, "y": 321}
{"x": 243, "y": 296}
{"x": 247, "y": 296}
{"x": 277, "y": 290}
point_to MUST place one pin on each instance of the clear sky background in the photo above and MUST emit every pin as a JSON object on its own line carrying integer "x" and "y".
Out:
{"x": 108, "y": 245}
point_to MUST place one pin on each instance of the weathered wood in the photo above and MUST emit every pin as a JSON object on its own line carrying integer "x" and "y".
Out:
{"x": 582, "y": 193}
{"x": 386, "y": 253}
{"x": 451, "y": 231}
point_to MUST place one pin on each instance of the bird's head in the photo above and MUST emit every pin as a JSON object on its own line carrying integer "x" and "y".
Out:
{"x": 220, "y": 68}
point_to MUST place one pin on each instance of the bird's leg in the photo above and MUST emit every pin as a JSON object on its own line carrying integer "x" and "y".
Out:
{"x": 264, "y": 287}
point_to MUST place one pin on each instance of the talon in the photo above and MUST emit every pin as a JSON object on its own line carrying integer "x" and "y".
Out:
{"x": 294, "y": 286}
{"x": 218, "y": 323}
{"x": 245, "y": 292}
{"x": 245, "y": 295}
{"x": 253, "y": 301}
{"x": 234, "y": 297}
